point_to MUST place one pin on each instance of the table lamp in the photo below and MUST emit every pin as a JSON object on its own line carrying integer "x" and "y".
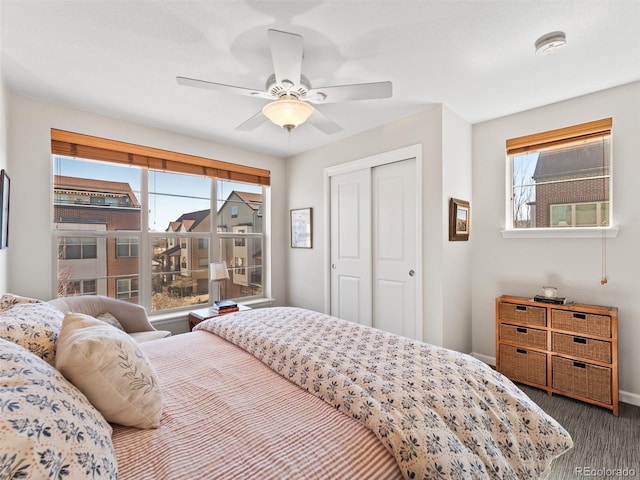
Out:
{"x": 218, "y": 272}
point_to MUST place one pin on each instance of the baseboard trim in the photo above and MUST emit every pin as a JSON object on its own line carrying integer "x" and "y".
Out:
{"x": 485, "y": 358}
{"x": 630, "y": 398}
{"x": 626, "y": 397}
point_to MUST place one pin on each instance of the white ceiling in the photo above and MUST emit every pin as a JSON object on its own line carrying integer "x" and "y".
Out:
{"x": 120, "y": 58}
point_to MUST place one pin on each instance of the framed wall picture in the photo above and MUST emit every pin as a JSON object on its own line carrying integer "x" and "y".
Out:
{"x": 301, "y": 228}
{"x": 5, "y": 184}
{"x": 459, "y": 219}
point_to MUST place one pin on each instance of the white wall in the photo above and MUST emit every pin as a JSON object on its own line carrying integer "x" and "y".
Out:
{"x": 30, "y": 167}
{"x": 307, "y": 268}
{"x": 3, "y": 164}
{"x": 521, "y": 266}
{"x": 456, "y": 180}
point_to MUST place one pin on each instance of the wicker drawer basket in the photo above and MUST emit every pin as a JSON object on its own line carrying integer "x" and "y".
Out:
{"x": 523, "y": 314}
{"x": 527, "y": 337}
{"x": 522, "y": 364}
{"x": 582, "y": 347}
{"x": 584, "y": 379}
{"x": 585, "y": 323}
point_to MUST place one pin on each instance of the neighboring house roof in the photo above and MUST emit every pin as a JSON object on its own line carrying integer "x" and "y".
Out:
{"x": 587, "y": 160}
{"x": 88, "y": 186}
{"x": 188, "y": 220}
{"x": 253, "y": 200}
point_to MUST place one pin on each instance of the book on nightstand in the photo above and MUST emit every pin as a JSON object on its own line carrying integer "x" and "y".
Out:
{"x": 224, "y": 304}
{"x": 552, "y": 300}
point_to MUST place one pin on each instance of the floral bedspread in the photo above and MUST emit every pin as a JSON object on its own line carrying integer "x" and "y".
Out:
{"x": 442, "y": 414}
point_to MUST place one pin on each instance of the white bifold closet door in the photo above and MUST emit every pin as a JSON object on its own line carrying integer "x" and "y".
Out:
{"x": 373, "y": 247}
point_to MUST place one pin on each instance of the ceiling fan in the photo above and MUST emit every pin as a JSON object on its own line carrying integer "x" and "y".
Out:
{"x": 290, "y": 93}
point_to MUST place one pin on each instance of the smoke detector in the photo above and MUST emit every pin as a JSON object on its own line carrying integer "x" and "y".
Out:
{"x": 550, "y": 43}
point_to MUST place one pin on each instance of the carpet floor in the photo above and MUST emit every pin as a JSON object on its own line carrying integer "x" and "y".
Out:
{"x": 605, "y": 447}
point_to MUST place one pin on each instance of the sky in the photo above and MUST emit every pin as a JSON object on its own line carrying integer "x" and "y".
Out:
{"x": 171, "y": 195}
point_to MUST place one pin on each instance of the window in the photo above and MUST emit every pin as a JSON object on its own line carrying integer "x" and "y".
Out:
{"x": 73, "y": 248}
{"x": 586, "y": 214}
{"x": 127, "y": 288}
{"x": 79, "y": 287}
{"x": 241, "y": 238}
{"x": 104, "y": 248}
{"x": 561, "y": 178}
{"x": 127, "y": 247}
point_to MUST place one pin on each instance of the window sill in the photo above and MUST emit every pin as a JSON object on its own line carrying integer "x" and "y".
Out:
{"x": 162, "y": 318}
{"x": 584, "y": 232}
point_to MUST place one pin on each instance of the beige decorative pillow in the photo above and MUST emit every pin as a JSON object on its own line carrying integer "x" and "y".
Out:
{"x": 48, "y": 429}
{"x": 107, "y": 366}
{"x": 34, "y": 326}
{"x": 107, "y": 317}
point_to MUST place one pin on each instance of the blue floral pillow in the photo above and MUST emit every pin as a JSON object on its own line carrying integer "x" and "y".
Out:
{"x": 48, "y": 429}
{"x": 33, "y": 325}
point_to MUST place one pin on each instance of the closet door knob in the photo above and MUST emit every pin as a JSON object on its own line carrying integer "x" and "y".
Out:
{"x": 412, "y": 273}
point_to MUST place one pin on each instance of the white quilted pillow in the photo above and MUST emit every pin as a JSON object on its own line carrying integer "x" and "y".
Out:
{"x": 107, "y": 366}
{"x": 48, "y": 429}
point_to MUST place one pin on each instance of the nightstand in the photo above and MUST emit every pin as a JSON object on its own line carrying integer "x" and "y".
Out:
{"x": 197, "y": 316}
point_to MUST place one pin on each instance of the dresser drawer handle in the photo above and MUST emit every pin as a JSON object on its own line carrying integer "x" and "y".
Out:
{"x": 579, "y": 364}
{"x": 579, "y": 316}
{"x": 580, "y": 340}
{"x": 519, "y": 350}
{"x": 521, "y": 330}
{"x": 522, "y": 308}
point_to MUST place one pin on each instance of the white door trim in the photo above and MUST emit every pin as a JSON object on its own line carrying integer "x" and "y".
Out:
{"x": 412, "y": 151}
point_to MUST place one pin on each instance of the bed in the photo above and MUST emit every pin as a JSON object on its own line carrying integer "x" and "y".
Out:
{"x": 290, "y": 393}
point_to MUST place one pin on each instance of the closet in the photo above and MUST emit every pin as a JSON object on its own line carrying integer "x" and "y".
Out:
{"x": 375, "y": 231}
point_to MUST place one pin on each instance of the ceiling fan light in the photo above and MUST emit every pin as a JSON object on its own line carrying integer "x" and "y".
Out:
{"x": 550, "y": 43}
{"x": 287, "y": 112}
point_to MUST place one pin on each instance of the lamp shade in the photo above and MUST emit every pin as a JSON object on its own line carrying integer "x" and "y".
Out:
{"x": 218, "y": 271}
{"x": 287, "y": 112}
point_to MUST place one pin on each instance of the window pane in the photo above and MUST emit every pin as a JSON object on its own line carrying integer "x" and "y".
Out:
{"x": 180, "y": 275}
{"x": 95, "y": 195}
{"x": 91, "y": 268}
{"x": 245, "y": 268}
{"x": 571, "y": 175}
{"x": 239, "y": 204}
{"x": 604, "y": 214}
{"x": 586, "y": 215}
{"x": 561, "y": 216}
{"x": 179, "y": 202}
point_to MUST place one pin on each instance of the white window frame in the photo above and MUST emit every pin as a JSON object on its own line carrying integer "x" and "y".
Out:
{"x": 145, "y": 241}
{"x": 610, "y": 231}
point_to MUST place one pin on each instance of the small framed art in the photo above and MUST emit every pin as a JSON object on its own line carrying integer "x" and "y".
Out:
{"x": 459, "y": 219}
{"x": 301, "y": 228}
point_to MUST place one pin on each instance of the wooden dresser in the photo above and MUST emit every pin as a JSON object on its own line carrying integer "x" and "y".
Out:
{"x": 570, "y": 350}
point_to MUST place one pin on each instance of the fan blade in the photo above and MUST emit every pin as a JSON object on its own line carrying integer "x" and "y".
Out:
{"x": 253, "y": 122}
{"x": 221, "y": 87}
{"x": 286, "y": 54}
{"x": 323, "y": 123}
{"x": 348, "y": 93}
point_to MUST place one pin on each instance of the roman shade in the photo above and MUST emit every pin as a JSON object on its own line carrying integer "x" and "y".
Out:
{"x": 97, "y": 148}
{"x": 575, "y": 133}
